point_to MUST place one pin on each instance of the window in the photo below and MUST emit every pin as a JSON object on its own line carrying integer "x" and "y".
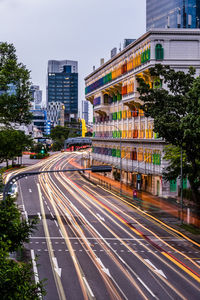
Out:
{"x": 159, "y": 52}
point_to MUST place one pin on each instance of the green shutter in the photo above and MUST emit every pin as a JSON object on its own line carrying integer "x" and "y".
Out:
{"x": 118, "y": 153}
{"x": 173, "y": 185}
{"x": 159, "y": 52}
{"x": 184, "y": 183}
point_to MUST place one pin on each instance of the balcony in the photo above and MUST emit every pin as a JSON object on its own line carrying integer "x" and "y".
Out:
{"x": 131, "y": 98}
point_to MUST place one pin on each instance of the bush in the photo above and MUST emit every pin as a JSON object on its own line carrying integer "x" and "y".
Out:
{"x": 39, "y": 155}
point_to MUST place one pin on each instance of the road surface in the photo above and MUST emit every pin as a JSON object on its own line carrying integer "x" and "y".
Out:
{"x": 91, "y": 244}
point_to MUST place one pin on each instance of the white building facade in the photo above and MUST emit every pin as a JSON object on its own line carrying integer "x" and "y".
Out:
{"x": 55, "y": 113}
{"x": 120, "y": 129}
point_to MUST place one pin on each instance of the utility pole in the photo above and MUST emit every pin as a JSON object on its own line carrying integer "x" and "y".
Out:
{"x": 181, "y": 186}
{"x": 120, "y": 163}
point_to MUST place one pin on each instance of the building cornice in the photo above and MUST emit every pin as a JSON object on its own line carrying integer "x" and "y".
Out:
{"x": 151, "y": 32}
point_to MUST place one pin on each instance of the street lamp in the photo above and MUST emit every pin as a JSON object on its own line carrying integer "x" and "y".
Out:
{"x": 93, "y": 169}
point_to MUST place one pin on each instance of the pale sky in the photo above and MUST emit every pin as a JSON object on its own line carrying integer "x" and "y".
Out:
{"x": 82, "y": 30}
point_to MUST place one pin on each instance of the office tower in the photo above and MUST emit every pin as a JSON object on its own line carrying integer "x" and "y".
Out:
{"x": 36, "y": 102}
{"x": 85, "y": 111}
{"x": 122, "y": 136}
{"x": 62, "y": 86}
{"x": 172, "y": 14}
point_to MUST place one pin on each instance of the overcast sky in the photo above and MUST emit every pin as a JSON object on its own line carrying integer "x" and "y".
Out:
{"x": 82, "y": 30}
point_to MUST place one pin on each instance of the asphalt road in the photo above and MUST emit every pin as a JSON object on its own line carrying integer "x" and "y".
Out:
{"x": 91, "y": 244}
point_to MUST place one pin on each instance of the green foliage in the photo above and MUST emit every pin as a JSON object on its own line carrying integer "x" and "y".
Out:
{"x": 12, "y": 228}
{"x": 173, "y": 154}
{"x": 175, "y": 108}
{"x": 14, "y": 107}
{"x": 16, "y": 279}
{"x": 39, "y": 155}
{"x": 36, "y": 148}
{"x": 12, "y": 143}
{"x": 59, "y": 134}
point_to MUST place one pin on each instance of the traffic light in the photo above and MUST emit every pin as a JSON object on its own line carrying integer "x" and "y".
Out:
{"x": 42, "y": 151}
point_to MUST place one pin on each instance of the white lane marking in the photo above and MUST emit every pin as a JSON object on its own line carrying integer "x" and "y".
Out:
{"x": 48, "y": 207}
{"x": 157, "y": 270}
{"x": 26, "y": 216}
{"x": 88, "y": 287}
{"x": 148, "y": 289}
{"x": 100, "y": 217}
{"x": 88, "y": 238}
{"x": 52, "y": 215}
{"x": 39, "y": 216}
{"x": 45, "y": 201}
{"x": 56, "y": 223}
{"x": 26, "y": 177}
{"x": 35, "y": 270}
{"x": 61, "y": 233}
{"x": 104, "y": 269}
{"x": 30, "y": 190}
{"x": 57, "y": 269}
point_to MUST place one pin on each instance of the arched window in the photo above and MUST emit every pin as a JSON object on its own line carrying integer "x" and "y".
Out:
{"x": 159, "y": 52}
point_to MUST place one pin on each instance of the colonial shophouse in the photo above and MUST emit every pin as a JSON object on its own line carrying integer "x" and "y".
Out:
{"x": 120, "y": 129}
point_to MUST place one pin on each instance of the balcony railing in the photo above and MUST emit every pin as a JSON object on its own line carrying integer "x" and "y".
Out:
{"x": 127, "y": 134}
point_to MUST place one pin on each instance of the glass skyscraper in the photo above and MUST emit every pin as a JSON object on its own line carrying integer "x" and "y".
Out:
{"x": 62, "y": 85}
{"x": 172, "y": 14}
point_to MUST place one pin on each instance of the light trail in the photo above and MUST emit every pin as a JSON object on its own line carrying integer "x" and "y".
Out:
{"x": 147, "y": 229}
{"x": 93, "y": 255}
{"x": 62, "y": 204}
{"x": 117, "y": 236}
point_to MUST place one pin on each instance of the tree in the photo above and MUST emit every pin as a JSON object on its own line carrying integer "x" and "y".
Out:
{"x": 37, "y": 148}
{"x": 15, "y": 83}
{"x": 16, "y": 278}
{"x": 175, "y": 108}
{"x": 59, "y": 134}
{"x": 13, "y": 230}
{"x": 12, "y": 143}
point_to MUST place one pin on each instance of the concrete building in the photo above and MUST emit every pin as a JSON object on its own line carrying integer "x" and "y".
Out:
{"x": 36, "y": 102}
{"x": 55, "y": 113}
{"x": 172, "y": 14}
{"x": 85, "y": 111}
{"x": 120, "y": 129}
{"x": 62, "y": 85}
{"x": 40, "y": 121}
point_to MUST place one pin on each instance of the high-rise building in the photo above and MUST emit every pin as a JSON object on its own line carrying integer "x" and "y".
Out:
{"x": 85, "y": 111}
{"x": 122, "y": 135}
{"x": 62, "y": 85}
{"x": 36, "y": 102}
{"x": 172, "y": 14}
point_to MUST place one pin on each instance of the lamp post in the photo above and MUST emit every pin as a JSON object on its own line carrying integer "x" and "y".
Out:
{"x": 181, "y": 185}
{"x": 120, "y": 163}
{"x": 93, "y": 169}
